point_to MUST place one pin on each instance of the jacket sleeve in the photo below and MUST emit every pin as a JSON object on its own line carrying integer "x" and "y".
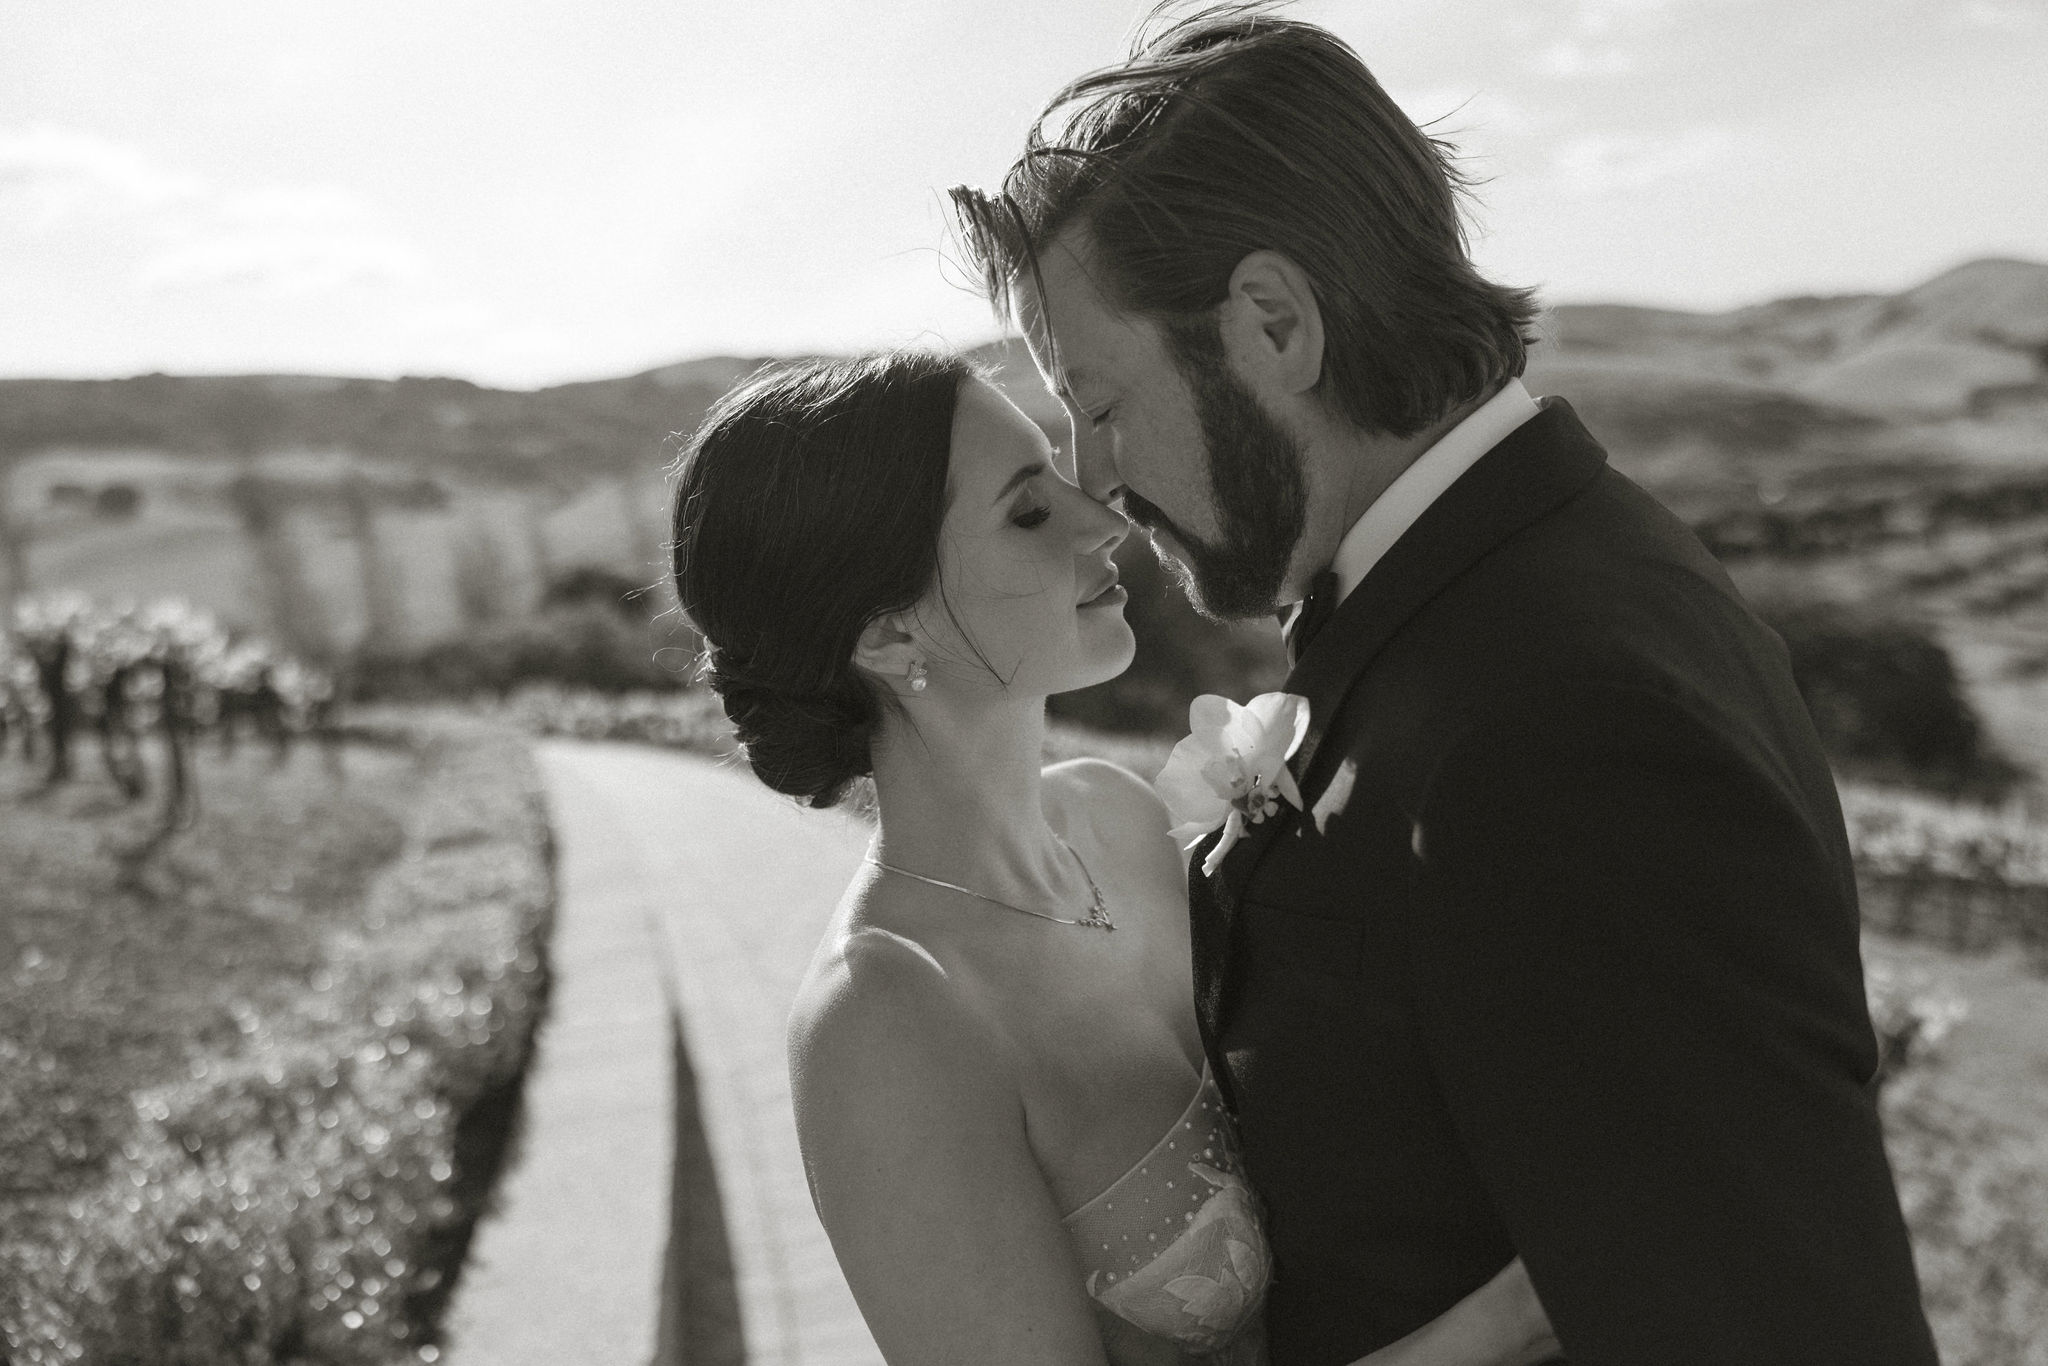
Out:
{"x": 1639, "y": 987}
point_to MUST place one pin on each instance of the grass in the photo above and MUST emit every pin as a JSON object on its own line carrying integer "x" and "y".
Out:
{"x": 1968, "y": 1130}
{"x": 250, "y": 1107}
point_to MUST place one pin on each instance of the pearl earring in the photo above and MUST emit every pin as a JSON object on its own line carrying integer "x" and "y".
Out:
{"x": 915, "y": 673}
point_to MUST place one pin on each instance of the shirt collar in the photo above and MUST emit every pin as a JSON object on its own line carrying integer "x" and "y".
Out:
{"x": 1423, "y": 482}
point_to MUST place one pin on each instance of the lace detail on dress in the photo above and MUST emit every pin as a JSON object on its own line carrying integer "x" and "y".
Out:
{"x": 1174, "y": 1245}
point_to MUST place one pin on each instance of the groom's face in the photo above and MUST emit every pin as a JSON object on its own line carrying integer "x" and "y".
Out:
{"x": 1184, "y": 445}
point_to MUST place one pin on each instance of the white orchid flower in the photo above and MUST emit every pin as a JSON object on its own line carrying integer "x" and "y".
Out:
{"x": 1231, "y": 770}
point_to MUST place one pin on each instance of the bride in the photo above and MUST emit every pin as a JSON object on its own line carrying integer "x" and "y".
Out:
{"x": 1007, "y": 1121}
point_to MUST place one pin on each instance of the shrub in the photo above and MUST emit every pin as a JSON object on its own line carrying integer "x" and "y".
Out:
{"x": 1901, "y": 835}
{"x": 295, "y": 1194}
{"x": 1887, "y": 701}
{"x": 583, "y": 645}
{"x": 591, "y": 585}
{"x": 691, "y": 719}
{"x": 1973, "y": 1191}
{"x": 117, "y": 502}
{"x": 1910, "y": 1013}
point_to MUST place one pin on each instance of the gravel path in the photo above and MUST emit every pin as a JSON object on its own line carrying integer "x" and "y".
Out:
{"x": 729, "y": 887}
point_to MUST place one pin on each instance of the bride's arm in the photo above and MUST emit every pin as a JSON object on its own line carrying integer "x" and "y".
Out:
{"x": 1500, "y": 1324}
{"x": 914, "y": 1142}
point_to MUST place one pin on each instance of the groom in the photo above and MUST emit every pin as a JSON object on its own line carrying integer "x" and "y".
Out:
{"x": 1560, "y": 958}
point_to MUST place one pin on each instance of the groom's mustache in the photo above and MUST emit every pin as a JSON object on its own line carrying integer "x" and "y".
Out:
{"x": 1148, "y": 515}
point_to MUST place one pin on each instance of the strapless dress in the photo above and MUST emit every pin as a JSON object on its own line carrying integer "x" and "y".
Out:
{"x": 1175, "y": 1246}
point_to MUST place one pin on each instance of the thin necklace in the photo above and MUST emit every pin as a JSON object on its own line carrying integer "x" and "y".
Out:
{"x": 1096, "y": 919}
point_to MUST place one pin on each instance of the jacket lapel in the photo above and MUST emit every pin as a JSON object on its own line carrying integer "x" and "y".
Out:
{"x": 1536, "y": 469}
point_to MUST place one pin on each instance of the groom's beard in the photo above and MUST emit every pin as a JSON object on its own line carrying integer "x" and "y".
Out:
{"x": 1259, "y": 492}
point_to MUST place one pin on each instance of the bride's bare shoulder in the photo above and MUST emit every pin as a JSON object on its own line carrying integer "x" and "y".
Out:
{"x": 876, "y": 1009}
{"x": 1100, "y": 785}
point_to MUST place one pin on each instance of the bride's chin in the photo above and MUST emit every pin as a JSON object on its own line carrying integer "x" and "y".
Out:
{"x": 1114, "y": 659}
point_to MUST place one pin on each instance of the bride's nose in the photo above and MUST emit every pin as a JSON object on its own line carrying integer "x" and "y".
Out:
{"x": 1098, "y": 526}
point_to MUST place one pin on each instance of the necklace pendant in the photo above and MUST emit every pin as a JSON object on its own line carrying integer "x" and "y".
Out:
{"x": 1097, "y": 917}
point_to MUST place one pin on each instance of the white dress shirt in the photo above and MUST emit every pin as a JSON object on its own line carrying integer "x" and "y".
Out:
{"x": 1423, "y": 482}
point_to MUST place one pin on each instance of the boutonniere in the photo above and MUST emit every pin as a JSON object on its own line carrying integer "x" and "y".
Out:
{"x": 1231, "y": 770}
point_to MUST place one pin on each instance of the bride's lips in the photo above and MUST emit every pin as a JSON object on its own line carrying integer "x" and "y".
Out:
{"x": 1110, "y": 592}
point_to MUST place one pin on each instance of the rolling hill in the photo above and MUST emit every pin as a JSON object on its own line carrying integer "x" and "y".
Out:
{"x": 332, "y": 511}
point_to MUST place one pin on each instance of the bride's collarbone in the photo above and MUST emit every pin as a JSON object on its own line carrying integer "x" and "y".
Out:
{"x": 1095, "y": 1029}
{"x": 1142, "y": 904}
{"x": 1050, "y": 989}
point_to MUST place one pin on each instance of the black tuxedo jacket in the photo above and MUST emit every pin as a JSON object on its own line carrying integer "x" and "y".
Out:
{"x": 1561, "y": 957}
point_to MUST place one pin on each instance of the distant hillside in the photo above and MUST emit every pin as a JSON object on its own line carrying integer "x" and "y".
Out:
{"x": 1972, "y": 337}
{"x": 556, "y": 434}
{"x": 333, "y": 511}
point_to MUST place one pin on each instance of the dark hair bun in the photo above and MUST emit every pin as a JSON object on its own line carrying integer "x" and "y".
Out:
{"x": 810, "y": 747}
{"x": 807, "y": 505}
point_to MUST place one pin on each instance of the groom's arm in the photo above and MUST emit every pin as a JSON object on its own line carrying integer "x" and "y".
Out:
{"x": 1636, "y": 972}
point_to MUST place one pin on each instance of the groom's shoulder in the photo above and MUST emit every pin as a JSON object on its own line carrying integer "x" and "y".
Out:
{"x": 1610, "y": 612}
{"x": 1615, "y": 530}
{"x": 1612, "y": 577}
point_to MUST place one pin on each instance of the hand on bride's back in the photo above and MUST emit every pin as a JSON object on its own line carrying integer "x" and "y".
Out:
{"x": 1500, "y": 1324}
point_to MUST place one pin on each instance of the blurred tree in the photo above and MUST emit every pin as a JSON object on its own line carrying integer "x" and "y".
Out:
{"x": 482, "y": 588}
{"x": 14, "y": 534}
{"x": 51, "y": 652}
{"x": 588, "y": 644}
{"x": 117, "y": 502}
{"x": 631, "y": 598}
{"x": 1886, "y": 698}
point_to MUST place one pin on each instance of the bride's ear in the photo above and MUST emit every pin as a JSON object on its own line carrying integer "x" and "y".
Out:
{"x": 887, "y": 649}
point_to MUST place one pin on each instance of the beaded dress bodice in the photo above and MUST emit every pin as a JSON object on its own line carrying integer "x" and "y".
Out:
{"x": 1174, "y": 1246}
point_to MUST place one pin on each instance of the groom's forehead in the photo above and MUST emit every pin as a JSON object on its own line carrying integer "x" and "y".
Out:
{"x": 1046, "y": 352}
{"x": 1063, "y": 303}
{"x": 1068, "y": 272}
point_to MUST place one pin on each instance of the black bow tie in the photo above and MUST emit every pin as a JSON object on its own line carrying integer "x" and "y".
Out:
{"x": 1314, "y": 611}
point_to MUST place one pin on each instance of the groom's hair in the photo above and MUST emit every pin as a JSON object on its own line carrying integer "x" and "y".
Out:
{"x": 1230, "y": 131}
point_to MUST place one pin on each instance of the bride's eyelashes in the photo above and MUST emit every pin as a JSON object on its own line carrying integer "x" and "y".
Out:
{"x": 1032, "y": 517}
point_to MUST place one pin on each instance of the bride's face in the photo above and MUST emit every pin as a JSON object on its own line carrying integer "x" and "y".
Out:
{"x": 1027, "y": 600}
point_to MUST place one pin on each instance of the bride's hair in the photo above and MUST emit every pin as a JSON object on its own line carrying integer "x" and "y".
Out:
{"x": 808, "y": 504}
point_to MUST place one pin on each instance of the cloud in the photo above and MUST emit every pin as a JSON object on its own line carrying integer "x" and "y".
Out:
{"x": 2004, "y": 16}
{"x": 1603, "y": 163}
{"x": 1575, "y": 57}
{"x": 172, "y": 229}
{"x": 1582, "y": 38}
{"x": 1594, "y": 16}
{"x": 287, "y": 241}
{"x": 59, "y": 176}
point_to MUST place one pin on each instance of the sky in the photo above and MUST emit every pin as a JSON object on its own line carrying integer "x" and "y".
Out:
{"x": 523, "y": 192}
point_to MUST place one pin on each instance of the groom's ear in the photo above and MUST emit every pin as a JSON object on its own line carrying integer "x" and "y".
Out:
{"x": 885, "y": 647}
{"x": 1271, "y": 325}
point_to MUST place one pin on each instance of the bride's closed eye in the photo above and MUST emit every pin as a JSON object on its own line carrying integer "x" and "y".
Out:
{"x": 1032, "y": 517}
